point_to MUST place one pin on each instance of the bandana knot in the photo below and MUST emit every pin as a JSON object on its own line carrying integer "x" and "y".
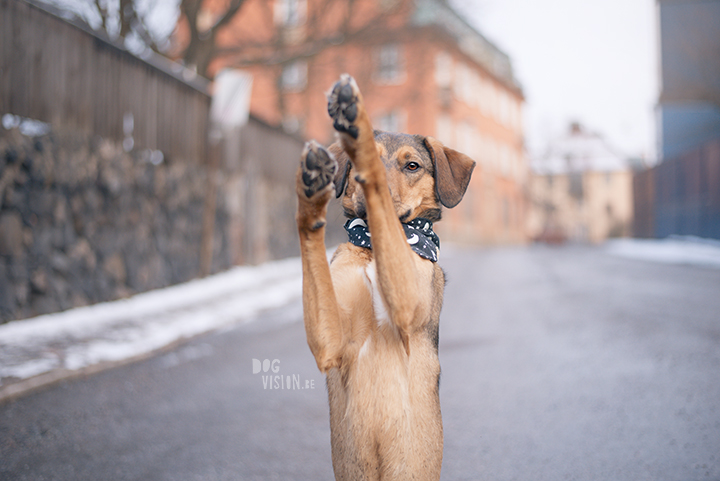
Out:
{"x": 420, "y": 236}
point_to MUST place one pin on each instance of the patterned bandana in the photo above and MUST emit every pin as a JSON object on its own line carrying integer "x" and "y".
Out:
{"x": 418, "y": 231}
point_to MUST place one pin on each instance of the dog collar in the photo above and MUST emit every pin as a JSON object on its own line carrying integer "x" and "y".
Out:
{"x": 418, "y": 231}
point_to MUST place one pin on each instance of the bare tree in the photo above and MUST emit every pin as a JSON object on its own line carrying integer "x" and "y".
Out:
{"x": 325, "y": 23}
{"x": 129, "y": 21}
{"x": 202, "y": 46}
{"x": 275, "y": 34}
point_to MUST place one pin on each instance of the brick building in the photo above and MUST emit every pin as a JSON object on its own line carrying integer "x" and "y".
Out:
{"x": 422, "y": 69}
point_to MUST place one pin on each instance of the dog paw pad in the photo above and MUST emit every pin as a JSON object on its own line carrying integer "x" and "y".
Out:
{"x": 318, "y": 168}
{"x": 343, "y": 105}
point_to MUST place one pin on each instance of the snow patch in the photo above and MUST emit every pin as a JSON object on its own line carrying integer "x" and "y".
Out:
{"x": 119, "y": 330}
{"x": 672, "y": 250}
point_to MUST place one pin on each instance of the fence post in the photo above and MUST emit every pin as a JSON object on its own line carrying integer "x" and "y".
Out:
{"x": 208, "y": 222}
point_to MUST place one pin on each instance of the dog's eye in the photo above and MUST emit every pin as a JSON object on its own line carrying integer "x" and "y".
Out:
{"x": 412, "y": 166}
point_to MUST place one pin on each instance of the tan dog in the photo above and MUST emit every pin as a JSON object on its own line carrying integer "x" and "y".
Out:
{"x": 371, "y": 316}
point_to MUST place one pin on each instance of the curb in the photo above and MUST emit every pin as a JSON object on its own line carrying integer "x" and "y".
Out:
{"x": 16, "y": 390}
{"x": 38, "y": 352}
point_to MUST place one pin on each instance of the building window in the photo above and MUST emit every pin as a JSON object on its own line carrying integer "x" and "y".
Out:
{"x": 493, "y": 153}
{"x": 467, "y": 85}
{"x": 575, "y": 188}
{"x": 469, "y": 206}
{"x": 444, "y": 78}
{"x": 517, "y": 116}
{"x": 443, "y": 69}
{"x": 290, "y": 13}
{"x": 461, "y": 84}
{"x": 444, "y": 130}
{"x": 205, "y": 20}
{"x": 393, "y": 121}
{"x": 293, "y": 125}
{"x": 466, "y": 138}
{"x": 506, "y": 213}
{"x": 390, "y": 68}
{"x": 504, "y": 107}
{"x": 491, "y": 100}
{"x": 485, "y": 97}
{"x": 294, "y": 76}
{"x": 505, "y": 160}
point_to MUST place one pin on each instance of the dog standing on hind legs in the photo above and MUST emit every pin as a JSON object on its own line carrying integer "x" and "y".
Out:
{"x": 371, "y": 315}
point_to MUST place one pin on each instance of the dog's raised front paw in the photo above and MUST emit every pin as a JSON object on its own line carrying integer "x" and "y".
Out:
{"x": 343, "y": 105}
{"x": 318, "y": 168}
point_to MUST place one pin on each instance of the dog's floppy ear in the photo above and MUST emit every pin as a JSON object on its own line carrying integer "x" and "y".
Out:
{"x": 452, "y": 172}
{"x": 343, "y": 170}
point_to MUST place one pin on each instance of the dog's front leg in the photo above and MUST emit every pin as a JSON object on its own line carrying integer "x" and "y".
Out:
{"x": 397, "y": 266}
{"x": 314, "y": 186}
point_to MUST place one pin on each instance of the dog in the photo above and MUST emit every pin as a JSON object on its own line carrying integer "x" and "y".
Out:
{"x": 372, "y": 314}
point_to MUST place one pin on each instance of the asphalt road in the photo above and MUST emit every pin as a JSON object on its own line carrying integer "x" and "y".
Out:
{"x": 557, "y": 364}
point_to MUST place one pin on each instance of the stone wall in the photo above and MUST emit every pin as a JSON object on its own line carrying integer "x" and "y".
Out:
{"x": 82, "y": 221}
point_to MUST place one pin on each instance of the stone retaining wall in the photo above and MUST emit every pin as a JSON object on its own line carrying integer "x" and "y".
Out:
{"x": 82, "y": 221}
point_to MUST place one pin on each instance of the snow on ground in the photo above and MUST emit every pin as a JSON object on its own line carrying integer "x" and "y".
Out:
{"x": 672, "y": 250}
{"x": 123, "y": 329}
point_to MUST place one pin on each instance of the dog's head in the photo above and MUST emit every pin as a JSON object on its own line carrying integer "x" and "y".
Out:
{"x": 422, "y": 175}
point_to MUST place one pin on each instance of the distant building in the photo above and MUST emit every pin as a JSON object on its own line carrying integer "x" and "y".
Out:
{"x": 580, "y": 190}
{"x": 681, "y": 195}
{"x": 422, "y": 69}
{"x": 689, "y": 104}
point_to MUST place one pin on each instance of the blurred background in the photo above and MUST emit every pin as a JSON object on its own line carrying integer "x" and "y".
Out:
{"x": 148, "y": 152}
{"x": 147, "y": 142}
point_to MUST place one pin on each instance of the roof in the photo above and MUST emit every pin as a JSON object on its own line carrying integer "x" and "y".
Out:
{"x": 470, "y": 41}
{"x": 579, "y": 151}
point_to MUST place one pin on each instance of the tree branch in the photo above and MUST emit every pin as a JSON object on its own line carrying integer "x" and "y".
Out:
{"x": 275, "y": 53}
{"x": 235, "y": 6}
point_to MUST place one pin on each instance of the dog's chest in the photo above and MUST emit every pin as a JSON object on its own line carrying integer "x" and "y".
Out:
{"x": 365, "y": 313}
{"x": 380, "y": 311}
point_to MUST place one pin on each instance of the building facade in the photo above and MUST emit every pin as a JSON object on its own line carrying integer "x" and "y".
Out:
{"x": 422, "y": 70}
{"x": 689, "y": 105}
{"x": 581, "y": 191}
{"x": 681, "y": 195}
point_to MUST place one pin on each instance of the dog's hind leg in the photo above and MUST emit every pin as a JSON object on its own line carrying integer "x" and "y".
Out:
{"x": 314, "y": 185}
{"x": 404, "y": 288}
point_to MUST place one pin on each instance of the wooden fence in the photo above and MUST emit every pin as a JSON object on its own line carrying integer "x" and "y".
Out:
{"x": 60, "y": 72}
{"x": 644, "y": 204}
{"x": 680, "y": 196}
{"x": 257, "y": 191}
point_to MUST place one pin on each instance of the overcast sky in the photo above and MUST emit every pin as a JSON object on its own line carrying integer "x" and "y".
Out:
{"x": 594, "y": 61}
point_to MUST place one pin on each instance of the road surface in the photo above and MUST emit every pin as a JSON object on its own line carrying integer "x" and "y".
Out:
{"x": 558, "y": 363}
